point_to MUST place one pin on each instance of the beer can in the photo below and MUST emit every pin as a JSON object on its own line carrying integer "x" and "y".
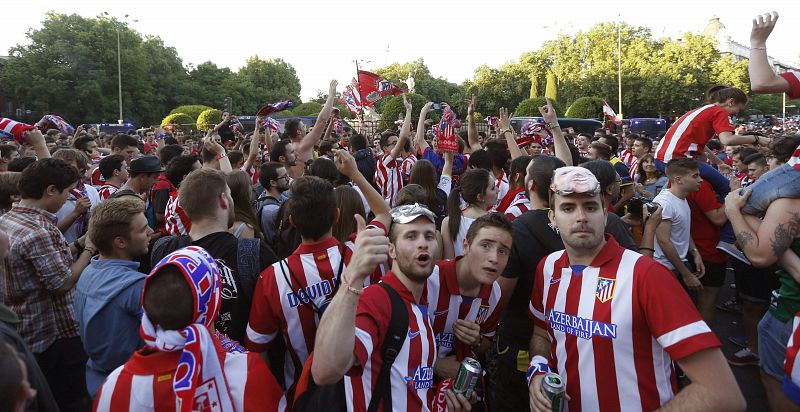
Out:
{"x": 467, "y": 377}
{"x": 554, "y": 388}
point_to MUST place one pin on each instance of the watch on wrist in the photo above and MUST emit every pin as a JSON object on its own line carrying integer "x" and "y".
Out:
{"x": 552, "y": 126}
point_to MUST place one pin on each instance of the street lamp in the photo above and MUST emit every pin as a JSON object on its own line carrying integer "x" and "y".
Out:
{"x": 119, "y": 64}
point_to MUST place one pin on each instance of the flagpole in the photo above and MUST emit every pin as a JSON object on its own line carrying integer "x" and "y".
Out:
{"x": 619, "y": 66}
{"x": 360, "y": 97}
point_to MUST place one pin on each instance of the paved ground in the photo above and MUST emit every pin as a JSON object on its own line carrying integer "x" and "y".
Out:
{"x": 727, "y": 325}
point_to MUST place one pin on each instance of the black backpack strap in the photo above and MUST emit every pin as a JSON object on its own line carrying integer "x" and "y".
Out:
{"x": 248, "y": 264}
{"x": 392, "y": 344}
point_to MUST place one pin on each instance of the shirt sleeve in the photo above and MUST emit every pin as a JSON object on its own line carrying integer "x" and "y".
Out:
{"x": 372, "y": 321}
{"x": 793, "y": 77}
{"x": 536, "y": 307}
{"x": 721, "y": 122}
{"x": 669, "y": 313}
{"x": 133, "y": 300}
{"x": 50, "y": 257}
{"x": 261, "y": 391}
{"x": 262, "y": 327}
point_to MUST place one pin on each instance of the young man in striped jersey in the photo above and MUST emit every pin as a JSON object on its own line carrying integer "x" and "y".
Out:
{"x": 115, "y": 172}
{"x": 352, "y": 331}
{"x": 388, "y": 171}
{"x": 464, "y": 302}
{"x": 609, "y": 320}
{"x": 292, "y": 294}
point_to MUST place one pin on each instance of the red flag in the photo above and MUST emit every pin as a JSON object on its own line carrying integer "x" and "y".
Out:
{"x": 374, "y": 87}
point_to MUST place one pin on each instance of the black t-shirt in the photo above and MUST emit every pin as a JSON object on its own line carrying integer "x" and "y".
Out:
{"x": 160, "y": 199}
{"x": 235, "y": 308}
{"x": 534, "y": 238}
{"x": 225, "y": 132}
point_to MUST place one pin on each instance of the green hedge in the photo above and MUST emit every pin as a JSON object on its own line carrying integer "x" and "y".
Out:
{"x": 394, "y": 107}
{"x": 530, "y": 107}
{"x": 191, "y": 110}
{"x": 586, "y": 108}
{"x": 307, "y": 109}
{"x": 208, "y": 118}
{"x": 181, "y": 119}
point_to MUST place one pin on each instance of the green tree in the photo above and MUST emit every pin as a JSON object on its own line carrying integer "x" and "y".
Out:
{"x": 192, "y": 110}
{"x": 586, "y": 108}
{"x": 530, "y": 107}
{"x": 181, "y": 119}
{"x": 208, "y": 118}
{"x": 205, "y": 85}
{"x": 394, "y": 108}
{"x": 69, "y": 66}
{"x": 505, "y": 86}
{"x": 437, "y": 89}
{"x": 551, "y": 90}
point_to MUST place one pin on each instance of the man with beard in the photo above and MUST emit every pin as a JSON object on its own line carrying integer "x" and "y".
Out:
{"x": 356, "y": 322}
{"x": 206, "y": 198}
{"x": 609, "y": 320}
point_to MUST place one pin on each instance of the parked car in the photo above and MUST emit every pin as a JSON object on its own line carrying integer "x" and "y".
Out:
{"x": 647, "y": 126}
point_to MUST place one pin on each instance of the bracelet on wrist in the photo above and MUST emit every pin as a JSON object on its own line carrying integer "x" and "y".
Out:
{"x": 349, "y": 288}
{"x": 552, "y": 126}
{"x": 647, "y": 248}
{"x": 758, "y": 48}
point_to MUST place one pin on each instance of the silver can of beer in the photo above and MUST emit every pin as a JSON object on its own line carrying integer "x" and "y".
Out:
{"x": 553, "y": 387}
{"x": 467, "y": 377}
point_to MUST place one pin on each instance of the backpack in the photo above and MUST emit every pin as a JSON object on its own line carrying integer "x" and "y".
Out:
{"x": 248, "y": 256}
{"x": 312, "y": 397}
{"x": 265, "y": 201}
{"x": 286, "y": 239}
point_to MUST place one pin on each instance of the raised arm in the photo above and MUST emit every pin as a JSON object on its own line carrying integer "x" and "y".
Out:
{"x": 337, "y": 328}
{"x": 405, "y": 131}
{"x": 762, "y": 78}
{"x": 419, "y": 140}
{"x": 346, "y": 164}
{"x": 559, "y": 142}
{"x": 508, "y": 133}
{"x": 472, "y": 129}
{"x": 255, "y": 143}
{"x": 306, "y": 146}
{"x": 219, "y": 154}
{"x": 36, "y": 139}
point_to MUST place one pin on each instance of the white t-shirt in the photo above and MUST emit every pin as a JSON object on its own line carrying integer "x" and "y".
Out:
{"x": 678, "y": 212}
{"x": 83, "y": 222}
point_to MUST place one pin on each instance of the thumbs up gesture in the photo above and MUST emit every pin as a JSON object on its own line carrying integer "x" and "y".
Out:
{"x": 372, "y": 247}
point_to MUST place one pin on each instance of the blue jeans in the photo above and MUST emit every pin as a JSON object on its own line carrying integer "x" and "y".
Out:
{"x": 773, "y": 336}
{"x": 721, "y": 187}
{"x": 781, "y": 182}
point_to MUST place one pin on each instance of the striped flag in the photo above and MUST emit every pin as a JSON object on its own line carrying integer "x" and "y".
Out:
{"x": 608, "y": 111}
{"x": 12, "y": 129}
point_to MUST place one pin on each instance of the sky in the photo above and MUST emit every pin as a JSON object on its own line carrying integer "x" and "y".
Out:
{"x": 321, "y": 39}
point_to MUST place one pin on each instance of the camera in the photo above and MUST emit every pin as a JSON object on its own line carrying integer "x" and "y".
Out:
{"x": 651, "y": 206}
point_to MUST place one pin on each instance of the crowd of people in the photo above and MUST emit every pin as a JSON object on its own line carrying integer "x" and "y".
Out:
{"x": 324, "y": 269}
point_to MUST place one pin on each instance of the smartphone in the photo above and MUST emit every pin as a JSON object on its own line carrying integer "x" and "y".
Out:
{"x": 437, "y": 106}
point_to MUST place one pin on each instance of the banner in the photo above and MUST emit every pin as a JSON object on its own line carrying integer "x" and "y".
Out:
{"x": 350, "y": 99}
{"x": 275, "y": 107}
{"x": 446, "y": 139}
{"x": 608, "y": 111}
{"x": 374, "y": 87}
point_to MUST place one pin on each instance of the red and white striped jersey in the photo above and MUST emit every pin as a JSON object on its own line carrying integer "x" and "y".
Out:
{"x": 502, "y": 187}
{"x": 388, "y": 177}
{"x": 791, "y": 382}
{"x": 615, "y": 326}
{"x": 288, "y": 295}
{"x": 518, "y": 206}
{"x": 692, "y": 131}
{"x": 793, "y": 77}
{"x": 634, "y": 167}
{"x": 406, "y": 166}
{"x": 794, "y": 161}
{"x": 106, "y": 190}
{"x": 176, "y": 221}
{"x": 627, "y": 157}
{"x": 97, "y": 177}
{"x": 446, "y": 304}
{"x": 253, "y": 173}
{"x": 411, "y": 375}
{"x": 144, "y": 383}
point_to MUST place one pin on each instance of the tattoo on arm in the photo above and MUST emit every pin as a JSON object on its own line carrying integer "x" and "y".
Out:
{"x": 784, "y": 234}
{"x": 745, "y": 238}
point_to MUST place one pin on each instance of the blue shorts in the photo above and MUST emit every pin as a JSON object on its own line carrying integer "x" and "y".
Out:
{"x": 773, "y": 336}
{"x": 781, "y": 182}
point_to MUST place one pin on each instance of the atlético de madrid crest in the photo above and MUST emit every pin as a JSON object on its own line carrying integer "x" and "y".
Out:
{"x": 605, "y": 289}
